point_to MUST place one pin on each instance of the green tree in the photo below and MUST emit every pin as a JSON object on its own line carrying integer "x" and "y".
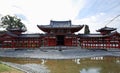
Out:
{"x": 12, "y": 22}
{"x": 86, "y": 31}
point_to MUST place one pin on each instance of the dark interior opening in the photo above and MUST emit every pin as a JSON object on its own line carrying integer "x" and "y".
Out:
{"x": 60, "y": 40}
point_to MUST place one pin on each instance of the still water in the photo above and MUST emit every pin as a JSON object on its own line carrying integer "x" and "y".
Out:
{"x": 84, "y": 65}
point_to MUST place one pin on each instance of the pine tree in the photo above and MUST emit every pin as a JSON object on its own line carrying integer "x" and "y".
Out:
{"x": 12, "y": 22}
{"x": 86, "y": 31}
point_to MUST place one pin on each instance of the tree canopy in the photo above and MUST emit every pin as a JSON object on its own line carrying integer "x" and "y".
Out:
{"x": 12, "y": 22}
{"x": 86, "y": 31}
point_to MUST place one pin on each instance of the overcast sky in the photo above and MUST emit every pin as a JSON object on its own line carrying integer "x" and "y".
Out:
{"x": 95, "y": 13}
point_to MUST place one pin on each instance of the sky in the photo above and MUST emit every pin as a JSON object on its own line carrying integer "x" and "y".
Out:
{"x": 95, "y": 13}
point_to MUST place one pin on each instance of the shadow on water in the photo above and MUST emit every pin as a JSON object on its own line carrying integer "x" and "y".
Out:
{"x": 84, "y": 65}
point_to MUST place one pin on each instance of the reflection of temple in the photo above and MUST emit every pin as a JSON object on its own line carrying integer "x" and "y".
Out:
{"x": 61, "y": 33}
{"x": 83, "y": 65}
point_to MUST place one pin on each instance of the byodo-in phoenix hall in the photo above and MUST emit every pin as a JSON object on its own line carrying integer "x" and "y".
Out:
{"x": 61, "y": 33}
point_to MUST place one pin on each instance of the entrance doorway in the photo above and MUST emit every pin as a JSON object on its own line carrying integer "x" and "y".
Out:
{"x": 60, "y": 40}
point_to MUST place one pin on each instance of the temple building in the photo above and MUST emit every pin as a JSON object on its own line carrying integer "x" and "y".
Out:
{"x": 61, "y": 33}
{"x": 108, "y": 38}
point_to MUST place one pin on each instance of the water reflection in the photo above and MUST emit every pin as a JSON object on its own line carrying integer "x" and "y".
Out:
{"x": 77, "y": 61}
{"x": 96, "y": 58}
{"x": 43, "y": 61}
{"x": 90, "y": 70}
{"x": 84, "y": 65}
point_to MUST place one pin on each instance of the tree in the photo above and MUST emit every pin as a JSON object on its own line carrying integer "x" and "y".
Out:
{"x": 12, "y": 22}
{"x": 86, "y": 31}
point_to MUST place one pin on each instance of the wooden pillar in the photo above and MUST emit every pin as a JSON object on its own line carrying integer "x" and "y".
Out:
{"x": 94, "y": 42}
{"x": 39, "y": 42}
{"x": 33, "y": 43}
{"x": 72, "y": 41}
{"x": 91, "y": 43}
{"x": 48, "y": 41}
{"x": 29, "y": 43}
{"x": 118, "y": 43}
{"x": 22, "y": 43}
{"x": 76, "y": 41}
{"x": 81, "y": 42}
{"x": 86, "y": 43}
{"x": 13, "y": 44}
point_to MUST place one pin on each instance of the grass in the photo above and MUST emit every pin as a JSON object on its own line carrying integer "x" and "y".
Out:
{"x": 7, "y": 69}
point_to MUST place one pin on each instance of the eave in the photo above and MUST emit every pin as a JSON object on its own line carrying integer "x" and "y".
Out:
{"x": 48, "y": 29}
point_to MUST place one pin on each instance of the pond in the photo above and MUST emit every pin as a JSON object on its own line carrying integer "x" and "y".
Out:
{"x": 84, "y": 65}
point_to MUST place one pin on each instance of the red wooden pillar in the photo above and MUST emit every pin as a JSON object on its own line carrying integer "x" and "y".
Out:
{"x": 84, "y": 43}
{"x": 119, "y": 44}
{"x": 54, "y": 39}
{"x": 87, "y": 41}
{"x": 72, "y": 41}
{"x": 76, "y": 41}
{"x": 33, "y": 43}
{"x": 29, "y": 43}
{"x": 39, "y": 42}
{"x": 109, "y": 43}
{"x": 81, "y": 42}
{"x": 65, "y": 41}
{"x": 43, "y": 41}
{"x": 56, "y": 42}
{"x": 91, "y": 42}
{"x": 13, "y": 44}
{"x": 22, "y": 43}
{"x": 48, "y": 41}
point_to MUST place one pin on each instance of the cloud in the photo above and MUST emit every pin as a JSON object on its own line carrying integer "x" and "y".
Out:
{"x": 35, "y": 12}
{"x": 95, "y": 13}
{"x": 99, "y": 21}
{"x": 93, "y": 7}
{"x": 21, "y": 16}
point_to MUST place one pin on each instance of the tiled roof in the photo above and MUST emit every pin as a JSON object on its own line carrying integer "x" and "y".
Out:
{"x": 60, "y": 26}
{"x": 98, "y": 35}
{"x": 31, "y": 35}
{"x": 10, "y": 34}
{"x": 16, "y": 29}
{"x": 106, "y": 29}
{"x": 91, "y": 35}
{"x": 60, "y": 23}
